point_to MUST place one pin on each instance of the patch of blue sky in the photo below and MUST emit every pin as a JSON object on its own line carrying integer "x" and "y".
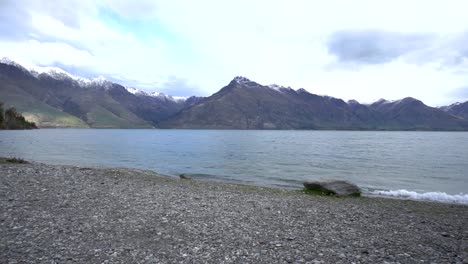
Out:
{"x": 149, "y": 30}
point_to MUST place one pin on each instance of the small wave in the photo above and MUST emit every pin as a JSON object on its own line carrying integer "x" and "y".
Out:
{"x": 428, "y": 196}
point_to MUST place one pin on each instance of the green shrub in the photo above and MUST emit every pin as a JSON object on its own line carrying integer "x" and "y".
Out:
{"x": 11, "y": 119}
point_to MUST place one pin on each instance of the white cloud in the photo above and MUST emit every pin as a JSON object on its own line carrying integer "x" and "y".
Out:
{"x": 391, "y": 81}
{"x": 284, "y": 42}
{"x": 273, "y": 41}
{"x": 33, "y": 52}
{"x": 143, "y": 9}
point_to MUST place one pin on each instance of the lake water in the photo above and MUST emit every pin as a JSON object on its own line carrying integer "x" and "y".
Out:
{"x": 419, "y": 165}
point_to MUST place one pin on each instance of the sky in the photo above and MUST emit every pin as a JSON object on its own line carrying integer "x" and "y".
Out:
{"x": 350, "y": 49}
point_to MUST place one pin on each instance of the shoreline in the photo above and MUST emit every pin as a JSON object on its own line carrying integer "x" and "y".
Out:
{"x": 376, "y": 193}
{"x": 70, "y": 214}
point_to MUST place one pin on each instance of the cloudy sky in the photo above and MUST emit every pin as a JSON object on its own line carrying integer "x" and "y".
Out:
{"x": 360, "y": 49}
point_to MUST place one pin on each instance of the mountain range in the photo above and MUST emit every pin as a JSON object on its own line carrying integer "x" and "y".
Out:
{"x": 51, "y": 97}
{"x": 55, "y": 98}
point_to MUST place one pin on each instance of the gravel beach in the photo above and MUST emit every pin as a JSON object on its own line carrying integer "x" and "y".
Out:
{"x": 68, "y": 214}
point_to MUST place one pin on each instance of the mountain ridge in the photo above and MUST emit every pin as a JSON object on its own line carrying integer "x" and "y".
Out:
{"x": 52, "y": 97}
{"x": 245, "y": 104}
{"x": 59, "y": 100}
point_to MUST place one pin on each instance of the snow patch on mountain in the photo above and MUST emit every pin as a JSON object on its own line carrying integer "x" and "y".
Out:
{"x": 180, "y": 98}
{"x": 60, "y": 74}
{"x": 248, "y": 83}
{"x": 164, "y": 96}
{"x": 132, "y": 90}
{"x": 280, "y": 88}
{"x": 159, "y": 95}
{"x": 449, "y": 107}
{"x": 241, "y": 79}
{"x": 57, "y": 73}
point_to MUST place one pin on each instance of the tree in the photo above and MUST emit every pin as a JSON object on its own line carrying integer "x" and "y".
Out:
{"x": 14, "y": 120}
{"x": 1, "y": 115}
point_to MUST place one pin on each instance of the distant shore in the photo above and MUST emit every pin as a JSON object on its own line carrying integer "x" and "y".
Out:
{"x": 69, "y": 214}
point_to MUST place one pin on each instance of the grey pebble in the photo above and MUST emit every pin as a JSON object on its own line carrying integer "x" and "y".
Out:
{"x": 68, "y": 214}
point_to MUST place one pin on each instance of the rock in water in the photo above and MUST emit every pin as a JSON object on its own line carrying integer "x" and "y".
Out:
{"x": 338, "y": 188}
{"x": 185, "y": 176}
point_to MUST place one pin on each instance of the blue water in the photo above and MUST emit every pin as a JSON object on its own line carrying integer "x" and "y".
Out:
{"x": 414, "y": 161}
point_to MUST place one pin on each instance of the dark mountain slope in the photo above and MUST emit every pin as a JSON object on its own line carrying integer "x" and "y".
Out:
{"x": 55, "y": 99}
{"x": 150, "y": 108}
{"x": 458, "y": 109}
{"x": 244, "y": 104}
{"x": 15, "y": 88}
{"x": 58, "y": 99}
{"x": 412, "y": 114}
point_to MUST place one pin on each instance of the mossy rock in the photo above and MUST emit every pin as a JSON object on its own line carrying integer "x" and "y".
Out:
{"x": 334, "y": 188}
{"x": 12, "y": 160}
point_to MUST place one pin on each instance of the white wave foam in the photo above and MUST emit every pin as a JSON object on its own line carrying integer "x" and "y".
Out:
{"x": 428, "y": 196}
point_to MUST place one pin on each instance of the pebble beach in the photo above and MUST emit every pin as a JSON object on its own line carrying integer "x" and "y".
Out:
{"x": 69, "y": 214}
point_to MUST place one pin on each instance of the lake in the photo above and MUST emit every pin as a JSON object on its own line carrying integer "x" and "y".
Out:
{"x": 420, "y": 165}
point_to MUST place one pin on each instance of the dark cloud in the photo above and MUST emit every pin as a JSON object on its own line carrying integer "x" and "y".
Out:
{"x": 374, "y": 47}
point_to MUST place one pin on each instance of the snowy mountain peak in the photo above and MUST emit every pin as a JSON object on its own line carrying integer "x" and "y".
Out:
{"x": 132, "y": 90}
{"x": 159, "y": 95}
{"x": 57, "y": 74}
{"x": 241, "y": 79}
{"x": 135, "y": 91}
{"x": 6, "y": 60}
{"x": 99, "y": 82}
{"x": 168, "y": 97}
{"x": 275, "y": 86}
{"x": 405, "y": 100}
{"x": 180, "y": 98}
{"x": 10, "y": 62}
{"x": 449, "y": 107}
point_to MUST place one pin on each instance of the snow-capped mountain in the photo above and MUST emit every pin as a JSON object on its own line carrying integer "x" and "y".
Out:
{"x": 248, "y": 83}
{"x": 280, "y": 88}
{"x": 245, "y": 104}
{"x": 100, "y": 81}
{"x": 53, "y": 97}
{"x": 57, "y": 98}
{"x": 161, "y": 96}
{"x": 58, "y": 74}
{"x": 7, "y": 61}
{"x": 457, "y": 109}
